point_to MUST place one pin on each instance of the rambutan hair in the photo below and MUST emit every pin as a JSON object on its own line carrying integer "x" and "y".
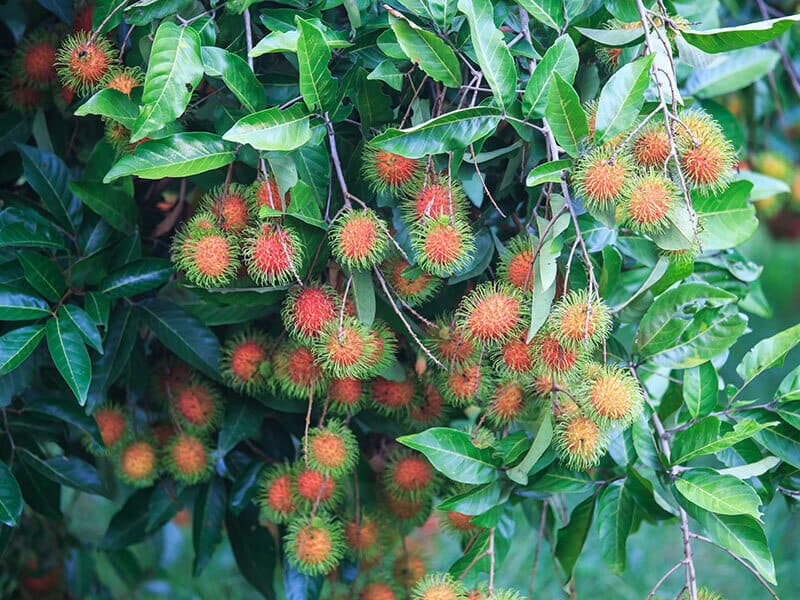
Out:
{"x": 276, "y": 496}
{"x": 508, "y": 402}
{"x": 207, "y": 256}
{"x": 308, "y": 309}
{"x": 439, "y": 586}
{"x": 346, "y": 395}
{"x": 707, "y": 163}
{"x": 358, "y": 239}
{"x": 579, "y": 442}
{"x": 602, "y": 178}
{"x": 385, "y": 171}
{"x": 652, "y": 199}
{"x": 315, "y": 545}
{"x": 516, "y": 264}
{"x": 491, "y": 313}
{"x": 114, "y": 429}
{"x": 188, "y": 459}
{"x": 35, "y": 57}
{"x": 379, "y": 588}
{"x": 20, "y": 96}
{"x": 428, "y": 409}
{"x": 331, "y": 449}
{"x": 198, "y": 405}
{"x": 137, "y": 462}
{"x": 392, "y": 397}
{"x": 650, "y": 147}
{"x": 312, "y": 488}
{"x": 364, "y": 537}
{"x": 434, "y": 197}
{"x": 244, "y": 361}
{"x": 296, "y": 371}
{"x": 123, "y": 79}
{"x": 443, "y": 246}
{"x": 83, "y": 61}
{"x": 554, "y": 358}
{"x": 343, "y": 348}
{"x": 229, "y": 207}
{"x": 119, "y": 136}
{"x": 451, "y": 343}
{"x": 265, "y": 192}
{"x": 610, "y": 55}
{"x": 578, "y": 323}
{"x": 466, "y": 384}
{"x": 409, "y": 475}
{"x": 610, "y": 395}
{"x": 272, "y": 253}
{"x": 411, "y": 284}
{"x": 382, "y": 348}
{"x": 515, "y": 356}
{"x": 404, "y": 511}
{"x": 458, "y": 524}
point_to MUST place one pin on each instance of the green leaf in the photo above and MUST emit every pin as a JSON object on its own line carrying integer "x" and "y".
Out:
{"x": 70, "y": 356}
{"x": 780, "y": 440}
{"x": 122, "y": 331}
{"x": 179, "y": 155}
{"x": 548, "y": 12}
{"x": 10, "y": 497}
{"x": 493, "y": 55}
{"x": 373, "y": 105}
{"x": 242, "y": 420}
{"x": 17, "y": 345}
{"x": 741, "y": 534}
{"x": 70, "y": 471}
{"x": 453, "y": 131}
{"x": 615, "y": 511}
{"x": 49, "y": 177}
{"x": 616, "y": 38}
{"x": 183, "y": 334}
{"x": 565, "y": 115}
{"x": 84, "y": 323}
{"x": 115, "y": 205}
{"x": 789, "y": 388}
{"x": 752, "y": 469}
{"x": 435, "y": 57}
{"x": 44, "y": 275}
{"x": 98, "y": 307}
{"x": 276, "y": 41}
{"x": 136, "y": 277}
{"x": 364, "y": 294}
{"x": 17, "y": 305}
{"x": 64, "y": 408}
{"x": 144, "y": 12}
{"x": 477, "y": 500}
{"x": 621, "y": 99}
{"x": 237, "y": 75}
{"x": 272, "y": 129}
{"x": 110, "y": 104}
{"x": 452, "y": 453}
{"x": 737, "y": 71}
{"x": 562, "y": 58}
{"x": 253, "y": 548}
{"x": 387, "y": 72}
{"x": 700, "y": 389}
{"x": 173, "y": 72}
{"x": 728, "y": 218}
{"x": 129, "y": 524}
{"x": 572, "y": 536}
{"x": 721, "y": 494}
{"x": 440, "y": 12}
{"x": 767, "y": 353}
{"x": 549, "y": 172}
{"x": 209, "y": 512}
{"x": 742, "y": 36}
{"x": 703, "y": 438}
{"x": 519, "y": 473}
{"x": 317, "y": 86}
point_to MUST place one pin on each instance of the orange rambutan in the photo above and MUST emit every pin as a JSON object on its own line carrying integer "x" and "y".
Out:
{"x": 580, "y": 442}
{"x": 243, "y": 360}
{"x": 296, "y": 371}
{"x": 188, "y": 459}
{"x": 460, "y": 523}
{"x": 409, "y": 475}
{"x": 443, "y": 246}
{"x": 507, "y": 404}
{"x": 345, "y": 395}
{"x": 332, "y": 449}
{"x": 207, "y": 256}
{"x": 343, "y": 348}
{"x": 610, "y": 395}
{"x": 436, "y": 197}
{"x": 137, "y": 463}
{"x": 229, "y": 207}
{"x": 308, "y": 309}
{"x": 706, "y": 156}
{"x": 358, "y": 239}
{"x": 451, "y": 343}
{"x": 83, "y": 61}
{"x": 650, "y": 148}
{"x": 377, "y": 590}
{"x": 602, "y": 178}
{"x": 276, "y": 497}
{"x": 272, "y": 253}
{"x": 408, "y": 569}
{"x": 363, "y": 537}
{"x": 439, "y": 586}
{"x": 515, "y": 356}
{"x": 123, "y": 79}
{"x": 576, "y": 322}
{"x": 407, "y": 511}
{"x": 516, "y": 265}
{"x": 315, "y": 545}
{"x": 650, "y": 202}
{"x": 412, "y": 285}
{"x": 172, "y": 377}
{"x": 393, "y": 396}
{"x": 381, "y": 347}
{"x": 21, "y": 96}
{"x": 551, "y": 357}
{"x": 313, "y": 488}
{"x": 464, "y": 385}
{"x": 610, "y": 55}
{"x": 198, "y": 405}
{"x": 428, "y": 410}
{"x": 491, "y": 313}
{"x": 266, "y": 193}
{"x": 35, "y": 57}
{"x": 386, "y": 171}
{"x": 112, "y": 423}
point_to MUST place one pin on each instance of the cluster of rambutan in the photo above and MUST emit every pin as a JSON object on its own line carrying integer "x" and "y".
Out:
{"x": 225, "y": 239}
{"x": 635, "y": 175}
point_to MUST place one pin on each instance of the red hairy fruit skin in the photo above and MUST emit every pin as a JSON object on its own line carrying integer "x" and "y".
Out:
{"x": 343, "y": 350}
{"x": 138, "y": 463}
{"x": 311, "y": 484}
{"x": 296, "y": 371}
{"x": 515, "y": 356}
{"x": 464, "y": 385}
{"x": 363, "y": 537}
{"x": 611, "y": 396}
{"x": 706, "y": 156}
{"x": 651, "y": 200}
{"x": 332, "y": 449}
{"x": 391, "y": 396}
{"x": 651, "y": 146}
{"x": 439, "y": 586}
{"x": 516, "y": 265}
{"x": 386, "y": 171}
{"x": 429, "y": 409}
{"x": 36, "y": 57}
{"x": 207, "y": 256}
{"x": 21, "y": 96}
{"x": 346, "y": 395}
{"x": 580, "y": 442}
{"x": 229, "y": 207}
{"x": 315, "y": 545}
{"x": 491, "y": 313}
{"x": 358, "y": 239}
{"x": 408, "y": 511}
{"x": 507, "y": 403}
{"x": 84, "y": 62}
{"x": 199, "y": 406}
{"x": 552, "y": 357}
{"x": 408, "y": 569}
{"x": 435, "y": 198}
{"x": 272, "y": 254}
{"x": 602, "y": 179}
{"x": 443, "y": 246}
{"x": 123, "y": 79}
{"x": 308, "y": 309}
{"x": 451, "y": 343}
{"x": 188, "y": 459}
{"x": 377, "y": 590}
{"x": 276, "y": 494}
{"x": 266, "y": 193}
{"x": 578, "y": 323}
{"x": 412, "y": 285}
{"x": 112, "y": 424}
{"x": 244, "y": 358}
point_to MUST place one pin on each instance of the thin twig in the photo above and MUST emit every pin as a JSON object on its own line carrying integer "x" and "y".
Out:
{"x": 663, "y": 579}
{"x": 248, "y": 33}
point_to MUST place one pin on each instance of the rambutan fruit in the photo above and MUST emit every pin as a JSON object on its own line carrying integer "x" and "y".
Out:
{"x": 703, "y": 593}
{"x": 515, "y": 356}
{"x": 428, "y": 410}
{"x": 506, "y": 594}
{"x": 272, "y": 253}
{"x": 695, "y": 124}
{"x": 162, "y": 433}
{"x": 332, "y": 449}
{"x": 436, "y": 197}
{"x": 363, "y": 537}
{"x": 609, "y": 55}
{"x": 439, "y": 586}
{"x": 208, "y": 257}
{"x": 20, "y": 96}
{"x": 83, "y": 61}
{"x": 650, "y": 147}
{"x": 64, "y": 98}
{"x": 450, "y": 343}
{"x": 516, "y": 265}
{"x": 405, "y": 511}
{"x": 82, "y": 16}
{"x": 552, "y": 357}
{"x": 382, "y": 348}
{"x": 651, "y": 200}
{"x": 459, "y": 524}
{"x": 346, "y": 395}
{"x": 297, "y": 372}
{"x": 566, "y": 409}
{"x": 118, "y": 136}
{"x": 343, "y": 348}
{"x": 308, "y": 309}
{"x": 266, "y": 193}
{"x": 313, "y": 488}
{"x": 315, "y": 545}
{"x": 610, "y": 395}
{"x": 276, "y": 497}
{"x": 508, "y": 402}
{"x": 408, "y": 569}
{"x": 409, "y": 475}
{"x": 112, "y": 423}
{"x": 601, "y": 178}
{"x": 576, "y": 322}
{"x": 386, "y": 171}
{"x": 171, "y": 378}
{"x": 393, "y": 396}
{"x": 443, "y": 246}
{"x": 123, "y": 79}
{"x": 543, "y": 384}
{"x": 465, "y": 385}
{"x": 579, "y": 442}
{"x": 773, "y": 164}
{"x": 188, "y": 459}
{"x": 241, "y": 362}
{"x": 358, "y": 239}
{"x": 198, "y": 405}
{"x": 229, "y": 207}
{"x": 137, "y": 462}
{"x": 412, "y": 285}
{"x": 34, "y": 59}
{"x": 706, "y": 156}
{"x": 378, "y": 590}
{"x": 491, "y": 313}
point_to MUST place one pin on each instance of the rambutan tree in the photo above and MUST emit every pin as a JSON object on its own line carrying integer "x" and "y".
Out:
{"x": 340, "y": 278}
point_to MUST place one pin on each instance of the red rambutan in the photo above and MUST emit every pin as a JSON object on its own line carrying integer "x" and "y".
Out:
{"x": 388, "y": 171}
{"x": 297, "y": 372}
{"x": 188, "y": 459}
{"x": 358, "y": 239}
{"x": 442, "y": 246}
{"x": 272, "y": 254}
{"x": 276, "y": 494}
{"x": 392, "y": 396}
{"x": 83, "y": 61}
{"x": 308, "y": 309}
{"x": 242, "y": 359}
{"x": 601, "y": 178}
{"x": 491, "y": 313}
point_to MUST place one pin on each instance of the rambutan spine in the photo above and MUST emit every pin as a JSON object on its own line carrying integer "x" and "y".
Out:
{"x": 409, "y": 475}
{"x": 84, "y": 60}
{"x": 358, "y": 239}
{"x": 276, "y": 497}
{"x": 137, "y": 462}
{"x": 491, "y": 313}
{"x": 434, "y": 197}
{"x": 296, "y": 371}
{"x": 272, "y": 254}
{"x": 207, "y": 256}
{"x": 343, "y": 349}
{"x": 412, "y": 285}
{"x": 579, "y": 442}
{"x": 652, "y": 199}
{"x": 516, "y": 264}
{"x": 188, "y": 459}
{"x": 315, "y": 545}
{"x": 331, "y": 449}
{"x": 443, "y": 246}
{"x": 576, "y": 322}
{"x": 610, "y": 395}
{"x": 308, "y": 309}
{"x": 439, "y": 586}
{"x": 243, "y": 360}
{"x": 386, "y": 171}
{"x": 198, "y": 405}
{"x": 602, "y": 177}
{"x": 229, "y": 206}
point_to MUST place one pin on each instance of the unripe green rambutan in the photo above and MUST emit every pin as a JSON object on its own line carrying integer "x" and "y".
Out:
{"x": 314, "y": 546}
{"x": 491, "y": 313}
{"x": 123, "y": 79}
{"x": 229, "y": 207}
{"x": 343, "y": 348}
{"x": 651, "y": 200}
{"x": 346, "y": 395}
{"x": 242, "y": 358}
{"x": 412, "y": 285}
{"x": 198, "y": 405}
{"x": 508, "y": 402}
{"x": 650, "y": 148}
{"x": 84, "y": 60}
{"x": 188, "y": 459}
{"x": 358, "y": 239}
{"x": 363, "y": 537}
{"x": 386, "y": 171}
{"x": 34, "y": 59}
{"x": 137, "y": 462}
{"x": 276, "y": 497}
{"x": 297, "y": 372}
{"x": 409, "y": 475}
{"x": 266, "y": 193}
{"x": 332, "y": 449}
{"x": 391, "y": 397}
{"x": 443, "y": 246}
{"x": 207, "y": 256}
{"x": 439, "y": 586}
{"x": 576, "y": 322}
{"x": 450, "y": 343}
{"x": 308, "y": 309}
{"x": 515, "y": 356}
{"x": 579, "y": 442}
{"x": 314, "y": 488}
{"x": 465, "y": 385}
{"x": 516, "y": 265}
{"x": 272, "y": 253}
{"x": 611, "y": 395}
{"x": 433, "y": 198}
{"x": 600, "y": 180}
{"x": 408, "y": 569}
